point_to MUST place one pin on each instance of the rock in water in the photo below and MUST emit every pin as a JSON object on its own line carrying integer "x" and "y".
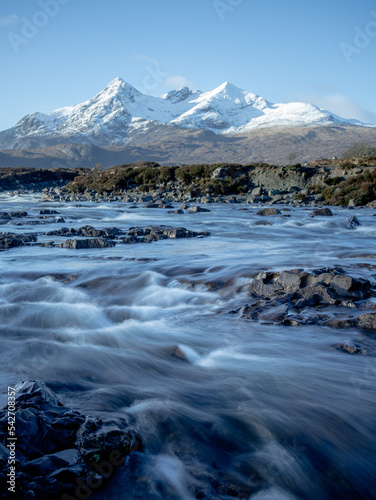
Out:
{"x": 58, "y": 448}
{"x": 269, "y": 211}
{"x": 322, "y": 211}
{"x": 87, "y": 243}
{"x": 197, "y": 209}
{"x": 353, "y": 222}
{"x": 368, "y": 321}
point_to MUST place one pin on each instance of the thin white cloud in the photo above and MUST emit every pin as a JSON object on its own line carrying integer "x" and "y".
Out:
{"x": 6, "y": 20}
{"x": 176, "y": 82}
{"x": 341, "y": 106}
{"x": 143, "y": 57}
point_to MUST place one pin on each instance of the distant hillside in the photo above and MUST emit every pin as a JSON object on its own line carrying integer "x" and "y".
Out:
{"x": 179, "y": 146}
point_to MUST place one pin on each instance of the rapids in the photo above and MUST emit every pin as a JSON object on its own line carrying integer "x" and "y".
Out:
{"x": 227, "y": 408}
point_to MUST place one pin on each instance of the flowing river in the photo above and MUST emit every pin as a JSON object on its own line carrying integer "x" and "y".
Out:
{"x": 226, "y": 407}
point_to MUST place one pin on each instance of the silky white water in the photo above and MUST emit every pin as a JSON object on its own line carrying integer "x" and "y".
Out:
{"x": 275, "y": 411}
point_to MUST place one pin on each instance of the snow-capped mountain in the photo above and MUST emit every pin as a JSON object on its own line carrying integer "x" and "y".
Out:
{"x": 120, "y": 112}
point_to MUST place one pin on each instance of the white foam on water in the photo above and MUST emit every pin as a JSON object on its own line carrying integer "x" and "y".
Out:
{"x": 225, "y": 357}
{"x": 172, "y": 471}
{"x": 47, "y": 315}
{"x": 274, "y": 493}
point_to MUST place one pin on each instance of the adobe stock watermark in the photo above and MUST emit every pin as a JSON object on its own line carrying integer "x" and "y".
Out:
{"x": 362, "y": 38}
{"x": 154, "y": 77}
{"x": 223, "y": 7}
{"x": 31, "y": 27}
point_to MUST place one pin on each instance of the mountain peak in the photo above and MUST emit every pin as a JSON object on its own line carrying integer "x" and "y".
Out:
{"x": 119, "y": 86}
{"x": 229, "y": 87}
{"x": 179, "y": 95}
{"x": 120, "y": 112}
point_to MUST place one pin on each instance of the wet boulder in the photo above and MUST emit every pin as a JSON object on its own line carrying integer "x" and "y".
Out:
{"x": 314, "y": 295}
{"x": 269, "y": 211}
{"x": 349, "y": 348}
{"x": 46, "y": 211}
{"x": 348, "y": 287}
{"x": 87, "y": 243}
{"x": 156, "y": 233}
{"x": 158, "y": 204}
{"x": 268, "y": 284}
{"x": 97, "y": 439}
{"x": 197, "y": 209}
{"x": 338, "y": 322}
{"x": 11, "y": 240}
{"x": 325, "y": 212}
{"x": 58, "y": 448}
{"x": 353, "y": 222}
{"x": 367, "y": 321}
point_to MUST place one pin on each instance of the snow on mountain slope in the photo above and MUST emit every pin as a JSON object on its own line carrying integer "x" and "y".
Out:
{"x": 120, "y": 112}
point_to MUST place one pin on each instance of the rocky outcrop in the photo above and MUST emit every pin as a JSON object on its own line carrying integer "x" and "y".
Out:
{"x": 156, "y": 233}
{"x": 297, "y": 297}
{"x": 87, "y": 231}
{"x": 80, "y": 244}
{"x": 269, "y": 211}
{"x": 11, "y": 240}
{"x": 60, "y": 450}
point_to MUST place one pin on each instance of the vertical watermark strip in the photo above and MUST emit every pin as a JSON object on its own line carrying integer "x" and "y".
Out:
{"x": 11, "y": 440}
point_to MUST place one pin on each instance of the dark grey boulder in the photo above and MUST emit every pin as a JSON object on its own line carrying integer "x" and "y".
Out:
{"x": 11, "y": 240}
{"x": 367, "y": 321}
{"x": 87, "y": 243}
{"x": 156, "y": 233}
{"x": 326, "y": 212}
{"x": 269, "y": 211}
{"x": 349, "y": 287}
{"x": 197, "y": 209}
{"x": 58, "y": 448}
{"x": 46, "y": 211}
{"x": 315, "y": 295}
{"x": 353, "y": 222}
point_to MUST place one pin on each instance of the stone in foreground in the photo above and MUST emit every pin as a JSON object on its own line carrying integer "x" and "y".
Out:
{"x": 87, "y": 243}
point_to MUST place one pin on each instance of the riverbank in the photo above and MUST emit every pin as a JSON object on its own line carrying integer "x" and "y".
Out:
{"x": 335, "y": 182}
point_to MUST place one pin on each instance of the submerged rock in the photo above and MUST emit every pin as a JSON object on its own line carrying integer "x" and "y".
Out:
{"x": 349, "y": 348}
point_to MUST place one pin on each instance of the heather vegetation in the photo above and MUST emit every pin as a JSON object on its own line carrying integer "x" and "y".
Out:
{"x": 357, "y": 182}
{"x": 197, "y": 179}
{"x": 359, "y": 188}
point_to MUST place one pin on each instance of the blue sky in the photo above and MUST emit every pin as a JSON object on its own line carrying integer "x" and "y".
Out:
{"x": 61, "y": 52}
